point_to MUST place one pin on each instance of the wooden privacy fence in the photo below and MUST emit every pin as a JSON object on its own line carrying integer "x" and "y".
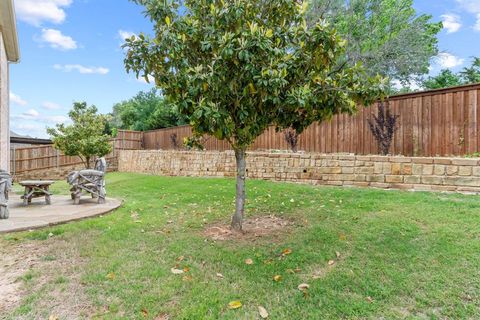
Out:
{"x": 26, "y": 159}
{"x": 433, "y": 123}
{"x": 438, "y": 122}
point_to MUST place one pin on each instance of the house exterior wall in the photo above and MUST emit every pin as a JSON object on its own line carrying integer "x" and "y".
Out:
{"x": 4, "y": 108}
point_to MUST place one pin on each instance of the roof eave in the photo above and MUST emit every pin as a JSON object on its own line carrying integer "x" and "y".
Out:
{"x": 8, "y": 26}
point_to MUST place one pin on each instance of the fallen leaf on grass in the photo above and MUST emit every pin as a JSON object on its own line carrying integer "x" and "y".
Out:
{"x": 277, "y": 278}
{"x": 263, "y": 312}
{"x": 187, "y": 278}
{"x": 110, "y": 276}
{"x": 234, "y": 304}
{"x": 219, "y": 275}
{"x": 249, "y": 261}
{"x": 180, "y": 258}
{"x": 286, "y": 251}
{"x": 369, "y": 299}
{"x": 176, "y": 271}
{"x": 337, "y": 254}
{"x": 342, "y": 237}
{"x": 53, "y": 317}
{"x": 186, "y": 269}
{"x": 144, "y": 312}
{"x": 303, "y": 286}
{"x": 331, "y": 262}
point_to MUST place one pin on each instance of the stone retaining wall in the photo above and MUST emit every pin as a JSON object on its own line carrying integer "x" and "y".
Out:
{"x": 409, "y": 173}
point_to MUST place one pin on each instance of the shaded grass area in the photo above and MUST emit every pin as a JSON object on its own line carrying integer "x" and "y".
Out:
{"x": 402, "y": 255}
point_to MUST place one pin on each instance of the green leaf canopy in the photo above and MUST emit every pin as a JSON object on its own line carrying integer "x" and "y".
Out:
{"x": 234, "y": 67}
{"x": 85, "y": 137}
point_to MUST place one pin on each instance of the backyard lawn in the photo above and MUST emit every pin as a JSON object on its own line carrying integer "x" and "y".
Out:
{"x": 364, "y": 254}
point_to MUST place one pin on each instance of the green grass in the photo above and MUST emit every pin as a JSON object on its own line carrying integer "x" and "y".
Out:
{"x": 402, "y": 255}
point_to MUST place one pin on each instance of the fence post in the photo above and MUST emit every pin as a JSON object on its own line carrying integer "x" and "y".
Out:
{"x": 58, "y": 159}
{"x": 14, "y": 161}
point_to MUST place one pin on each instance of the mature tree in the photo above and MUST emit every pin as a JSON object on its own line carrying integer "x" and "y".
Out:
{"x": 387, "y": 36}
{"x": 446, "y": 78}
{"x": 234, "y": 67}
{"x": 146, "y": 111}
{"x": 471, "y": 74}
{"x": 85, "y": 137}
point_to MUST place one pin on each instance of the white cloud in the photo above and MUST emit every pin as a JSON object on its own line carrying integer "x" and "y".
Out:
{"x": 397, "y": 84}
{"x": 451, "y": 22}
{"x": 51, "y": 106}
{"x": 125, "y": 34}
{"x": 446, "y": 60}
{"x": 476, "y": 27}
{"x": 15, "y": 99}
{"x": 82, "y": 69}
{"x": 35, "y": 12}
{"x": 34, "y": 115}
{"x": 31, "y": 113}
{"x": 55, "y": 119}
{"x": 29, "y": 129}
{"x": 472, "y": 6}
{"x": 57, "y": 40}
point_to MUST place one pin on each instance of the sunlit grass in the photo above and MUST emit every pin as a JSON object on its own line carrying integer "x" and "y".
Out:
{"x": 401, "y": 254}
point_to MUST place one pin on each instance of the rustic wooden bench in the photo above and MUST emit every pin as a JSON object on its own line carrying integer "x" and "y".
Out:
{"x": 36, "y": 189}
{"x": 89, "y": 181}
{"x": 5, "y": 186}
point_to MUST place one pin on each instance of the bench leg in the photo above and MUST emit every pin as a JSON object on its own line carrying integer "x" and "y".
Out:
{"x": 101, "y": 198}
{"x": 25, "y": 196}
{"x": 4, "y": 213}
{"x": 76, "y": 198}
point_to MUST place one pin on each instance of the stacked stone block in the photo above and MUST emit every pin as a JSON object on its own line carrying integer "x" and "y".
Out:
{"x": 388, "y": 172}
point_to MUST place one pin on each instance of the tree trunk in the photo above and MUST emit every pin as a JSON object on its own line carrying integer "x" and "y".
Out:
{"x": 87, "y": 162}
{"x": 237, "y": 218}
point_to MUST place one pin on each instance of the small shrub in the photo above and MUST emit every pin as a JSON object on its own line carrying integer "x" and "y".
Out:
{"x": 291, "y": 137}
{"x": 383, "y": 127}
{"x": 194, "y": 143}
{"x": 174, "y": 141}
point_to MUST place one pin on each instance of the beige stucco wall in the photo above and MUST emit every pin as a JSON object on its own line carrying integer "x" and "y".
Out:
{"x": 4, "y": 108}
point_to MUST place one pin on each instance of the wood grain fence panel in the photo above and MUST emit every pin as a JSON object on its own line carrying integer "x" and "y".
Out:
{"x": 477, "y": 104}
{"x": 46, "y": 157}
{"x": 437, "y": 122}
{"x": 472, "y": 121}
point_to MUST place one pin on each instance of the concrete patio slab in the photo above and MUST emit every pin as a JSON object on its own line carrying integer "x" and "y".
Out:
{"x": 62, "y": 210}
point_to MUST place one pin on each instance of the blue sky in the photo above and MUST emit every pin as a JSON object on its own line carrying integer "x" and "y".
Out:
{"x": 70, "y": 51}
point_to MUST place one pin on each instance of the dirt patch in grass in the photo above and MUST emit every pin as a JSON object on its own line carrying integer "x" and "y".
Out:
{"x": 15, "y": 264}
{"x": 253, "y": 228}
{"x": 50, "y": 269}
